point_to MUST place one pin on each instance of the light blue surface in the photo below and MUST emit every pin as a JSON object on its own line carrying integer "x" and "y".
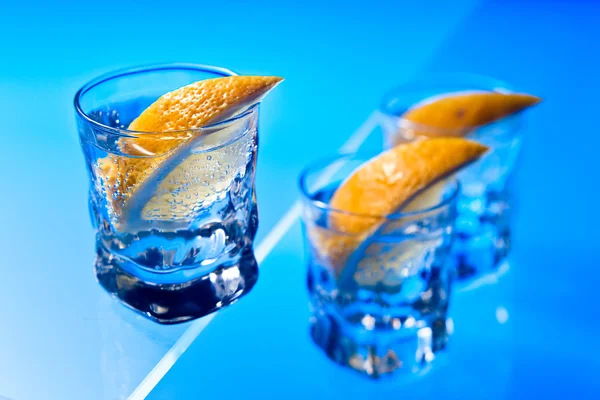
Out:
{"x": 62, "y": 338}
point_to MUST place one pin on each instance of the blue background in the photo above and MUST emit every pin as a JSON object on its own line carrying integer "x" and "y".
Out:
{"x": 61, "y": 337}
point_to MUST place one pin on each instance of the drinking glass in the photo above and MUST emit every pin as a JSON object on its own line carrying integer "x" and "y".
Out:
{"x": 380, "y": 299}
{"x": 175, "y": 243}
{"x": 483, "y": 235}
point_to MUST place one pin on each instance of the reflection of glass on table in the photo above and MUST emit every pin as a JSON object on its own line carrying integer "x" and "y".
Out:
{"x": 175, "y": 213}
{"x": 379, "y": 300}
{"x": 484, "y": 206}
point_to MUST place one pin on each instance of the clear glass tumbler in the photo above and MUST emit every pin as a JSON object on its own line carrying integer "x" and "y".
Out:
{"x": 175, "y": 213}
{"x": 484, "y": 206}
{"x": 379, "y": 300}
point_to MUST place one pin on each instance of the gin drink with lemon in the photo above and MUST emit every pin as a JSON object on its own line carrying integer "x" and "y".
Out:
{"x": 171, "y": 152}
{"x": 483, "y": 110}
{"x": 377, "y": 232}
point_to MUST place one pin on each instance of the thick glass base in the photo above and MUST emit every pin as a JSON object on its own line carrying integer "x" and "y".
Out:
{"x": 403, "y": 347}
{"x": 171, "y": 303}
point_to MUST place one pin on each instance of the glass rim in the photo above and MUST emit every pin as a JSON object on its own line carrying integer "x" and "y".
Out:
{"x": 477, "y": 83}
{"x": 323, "y": 163}
{"x": 123, "y": 132}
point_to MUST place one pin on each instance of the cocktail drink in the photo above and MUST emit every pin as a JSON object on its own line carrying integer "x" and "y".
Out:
{"x": 483, "y": 110}
{"x": 377, "y": 234}
{"x": 171, "y": 155}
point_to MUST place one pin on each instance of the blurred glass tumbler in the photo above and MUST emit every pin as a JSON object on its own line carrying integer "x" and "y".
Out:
{"x": 384, "y": 309}
{"x": 178, "y": 244}
{"x": 484, "y": 206}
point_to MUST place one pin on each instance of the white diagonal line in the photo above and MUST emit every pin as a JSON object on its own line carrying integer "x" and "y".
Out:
{"x": 490, "y": 278}
{"x": 262, "y": 251}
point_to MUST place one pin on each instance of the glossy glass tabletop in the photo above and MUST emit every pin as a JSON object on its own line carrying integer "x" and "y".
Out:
{"x": 525, "y": 331}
